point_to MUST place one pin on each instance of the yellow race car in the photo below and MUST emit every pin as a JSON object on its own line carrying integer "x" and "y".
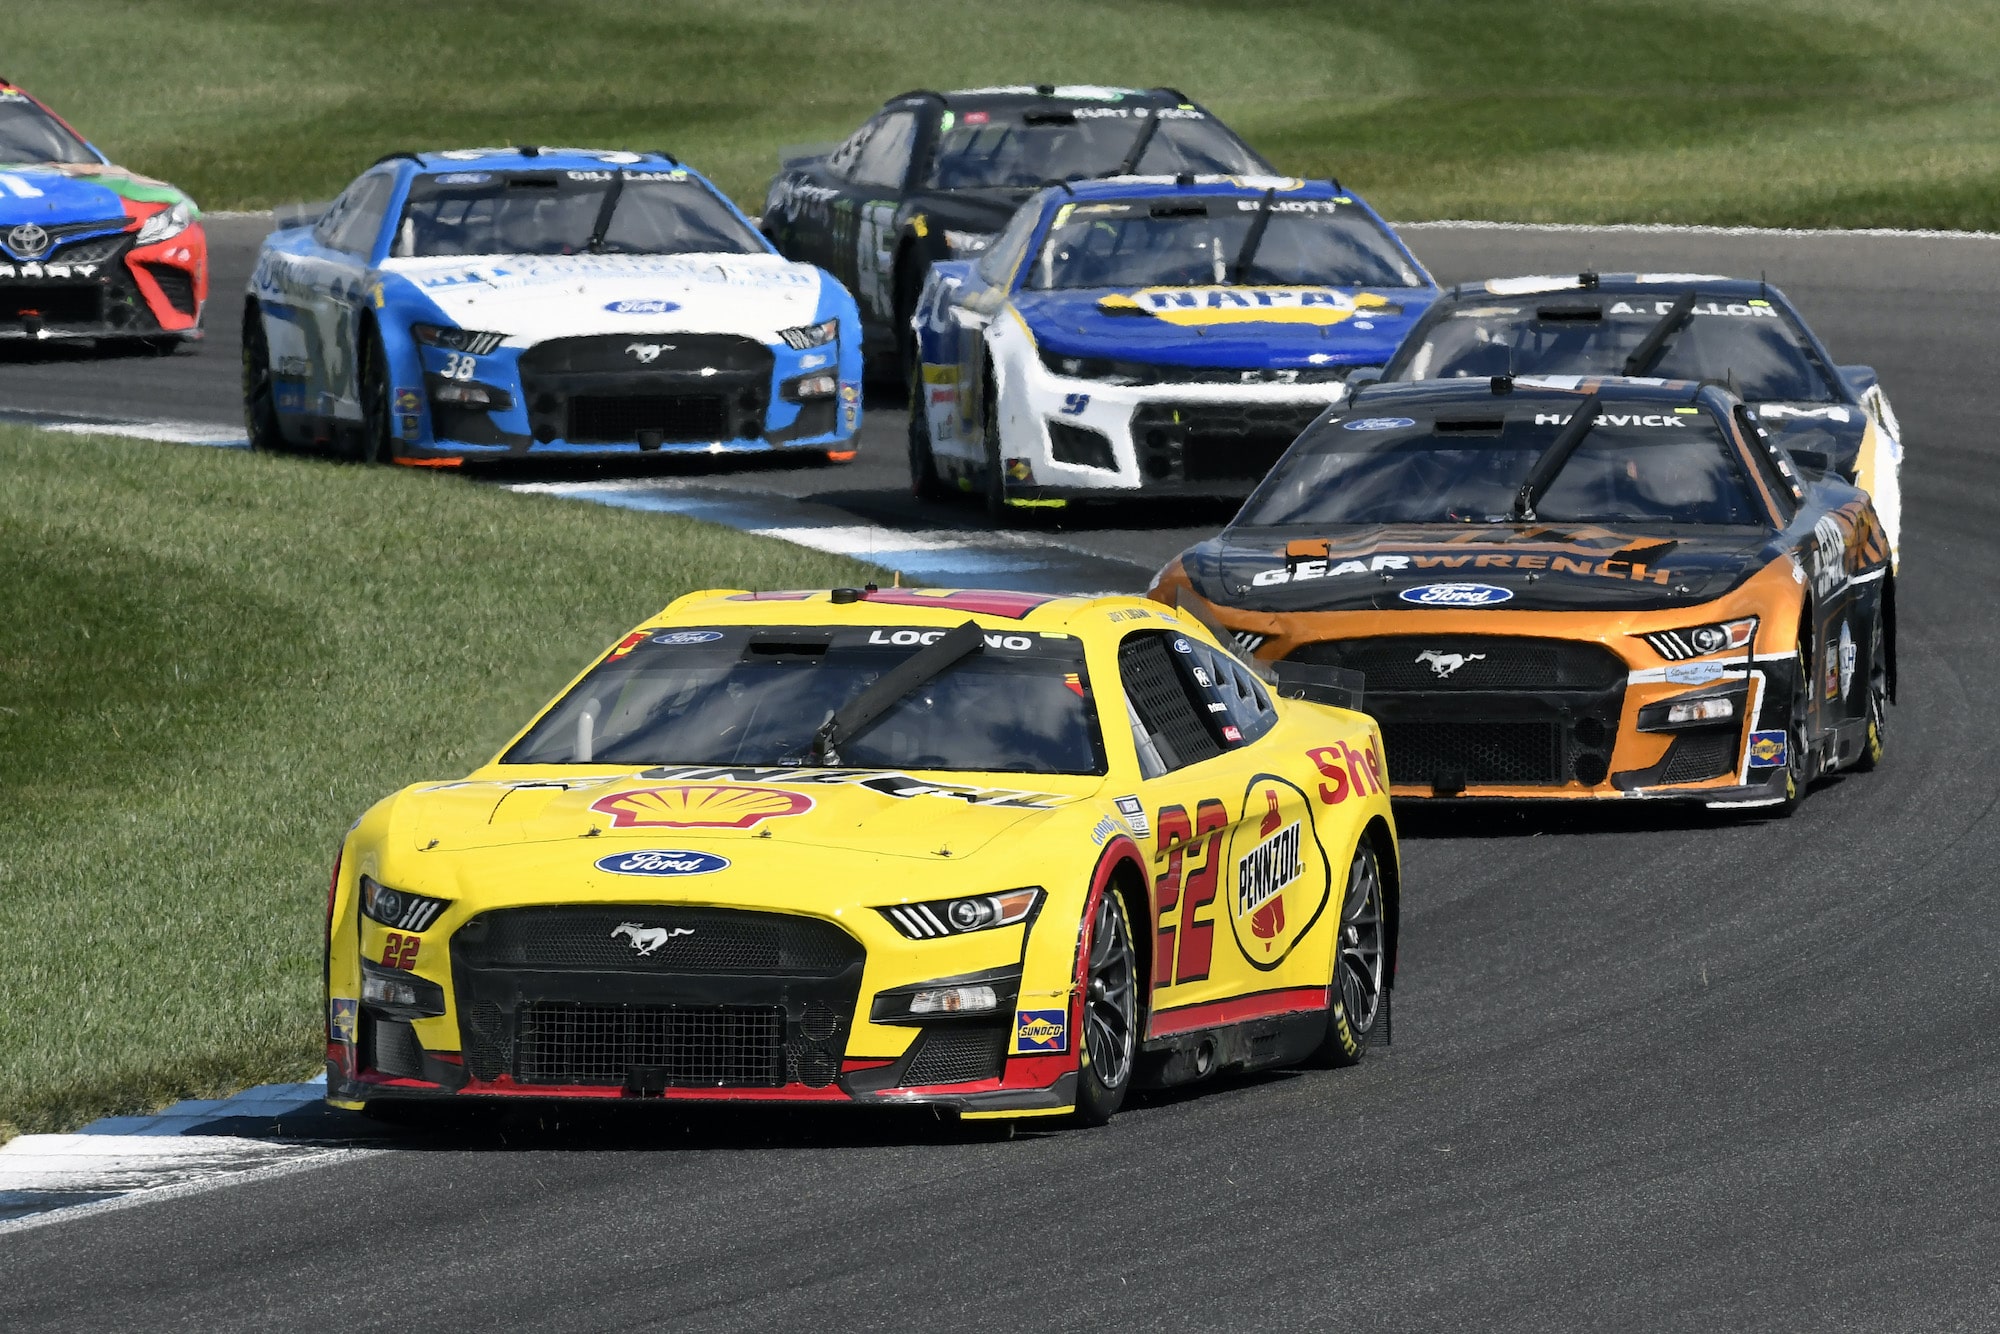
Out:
{"x": 1002, "y": 853}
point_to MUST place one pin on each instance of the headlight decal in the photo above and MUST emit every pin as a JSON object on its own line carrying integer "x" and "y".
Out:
{"x": 395, "y": 907}
{"x": 811, "y": 335}
{"x": 939, "y": 918}
{"x": 1698, "y": 641}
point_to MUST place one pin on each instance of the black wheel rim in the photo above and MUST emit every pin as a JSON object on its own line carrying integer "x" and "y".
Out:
{"x": 1359, "y": 971}
{"x": 1110, "y": 1006}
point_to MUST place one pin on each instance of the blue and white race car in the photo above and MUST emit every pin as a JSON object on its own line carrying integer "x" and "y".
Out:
{"x": 1151, "y": 336}
{"x": 500, "y": 302}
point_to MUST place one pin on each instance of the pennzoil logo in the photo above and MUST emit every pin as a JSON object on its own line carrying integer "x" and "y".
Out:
{"x": 700, "y": 806}
{"x": 1189, "y": 306}
{"x": 1278, "y": 878}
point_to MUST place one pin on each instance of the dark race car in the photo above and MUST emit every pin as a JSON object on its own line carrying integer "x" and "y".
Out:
{"x": 88, "y": 250}
{"x": 1614, "y": 588}
{"x": 935, "y": 176}
{"x": 1683, "y": 326}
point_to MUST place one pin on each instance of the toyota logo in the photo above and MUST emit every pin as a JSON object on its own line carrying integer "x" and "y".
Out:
{"x": 28, "y": 240}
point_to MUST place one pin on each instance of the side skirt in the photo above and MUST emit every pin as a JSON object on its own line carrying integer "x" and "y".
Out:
{"x": 1254, "y": 1044}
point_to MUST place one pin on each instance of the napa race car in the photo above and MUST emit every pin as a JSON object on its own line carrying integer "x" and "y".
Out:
{"x": 89, "y": 250}
{"x": 506, "y": 302}
{"x": 1150, "y": 336}
{"x": 935, "y": 176}
{"x": 1001, "y": 853}
{"x": 1570, "y": 588}
{"x": 1683, "y": 326}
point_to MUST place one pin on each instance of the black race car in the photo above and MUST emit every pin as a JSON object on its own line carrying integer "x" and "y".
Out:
{"x": 935, "y": 176}
{"x": 1598, "y": 589}
{"x": 1682, "y": 326}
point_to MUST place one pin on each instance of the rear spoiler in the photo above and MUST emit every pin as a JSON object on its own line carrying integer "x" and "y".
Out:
{"x": 1338, "y": 687}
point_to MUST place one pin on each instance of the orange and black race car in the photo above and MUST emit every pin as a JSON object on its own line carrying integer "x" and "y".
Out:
{"x": 1601, "y": 588}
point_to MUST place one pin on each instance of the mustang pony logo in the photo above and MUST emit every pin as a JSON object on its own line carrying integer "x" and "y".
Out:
{"x": 700, "y": 806}
{"x": 1444, "y": 664}
{"x": 647, "y": 939}
{"x": 648, "y": 353}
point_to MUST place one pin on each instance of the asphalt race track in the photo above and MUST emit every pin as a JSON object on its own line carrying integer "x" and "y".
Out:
{"x": 1649, "y": 1071}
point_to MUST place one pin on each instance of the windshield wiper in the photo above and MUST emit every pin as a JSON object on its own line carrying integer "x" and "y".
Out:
{"x": 1655, "y": 342}
{"x": 1555, "y": 456}
{"x": 1251, "y": 240}
{"x": 1128, "y": 163}
{"x": 925, "y": 665}
{"x": 605, "y": 210}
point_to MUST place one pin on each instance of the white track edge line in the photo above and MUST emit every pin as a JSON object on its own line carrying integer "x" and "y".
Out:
{"x": 1475, "y": 225}
{"x": 1692, "y": 229}
{"x": 179, "y": 1189}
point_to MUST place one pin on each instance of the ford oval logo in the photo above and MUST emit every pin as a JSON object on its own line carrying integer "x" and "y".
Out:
{"x": 1456, "y": 595}
{"x": 642, "y": 307}
{"x": 662, "y": 861}
{"x": 681, "y": 637}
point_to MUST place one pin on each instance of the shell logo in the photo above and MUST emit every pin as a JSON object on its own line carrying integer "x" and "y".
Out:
{"x": 700, "y": 806}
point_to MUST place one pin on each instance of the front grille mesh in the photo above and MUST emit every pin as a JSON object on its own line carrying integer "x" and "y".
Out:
{"x": 1470, "y": 662}
{"x": 722, "y": 941}
{"x": 567, "y": 1042}
{"x": 177, "y": 285}
{"x": 1700, "y": 755}
{"x": 393, "y": 1048}
{"x": 1080, "y": 446}
{"x": 678, "y": 418}
{"x": 957, "y": 1056}
{"x": 1214, "y": 442}
{"x": 1474, "y": 752}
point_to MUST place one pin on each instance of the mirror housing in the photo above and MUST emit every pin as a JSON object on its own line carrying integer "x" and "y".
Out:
{"x": 1860, "y": 379}
{"x": 1813, "y": 459}
{"x": 1363, "y": 375}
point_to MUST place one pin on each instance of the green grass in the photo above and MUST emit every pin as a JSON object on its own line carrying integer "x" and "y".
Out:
{"x": 210, "y": 664}
{"x": 1786, "y": 112}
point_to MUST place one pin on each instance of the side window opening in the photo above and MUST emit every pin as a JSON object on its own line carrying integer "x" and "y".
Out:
{"x": 886, "y": 159}
{"x": 353, "y": 223}
{"x": 1168, "y": 714}
{"x": 1777, "y": 476}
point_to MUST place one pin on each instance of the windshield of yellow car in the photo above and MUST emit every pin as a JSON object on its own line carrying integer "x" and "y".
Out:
{"x": 1750, "y": 343}
{"x": 1217, "y": 240}
{"x": 743, "y": 695}
{"x": 635, "y": 212}
{"x": 1645, "y": 461}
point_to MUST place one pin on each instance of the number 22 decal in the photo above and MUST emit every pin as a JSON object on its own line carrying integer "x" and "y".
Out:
{"x": 1185, "y": 945}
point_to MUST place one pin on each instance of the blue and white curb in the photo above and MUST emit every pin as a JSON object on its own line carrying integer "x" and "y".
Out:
{"x": 120, "y": 1161}
{"x": 976, "y": 558}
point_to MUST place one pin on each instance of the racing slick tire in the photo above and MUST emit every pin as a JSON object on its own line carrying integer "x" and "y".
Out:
{"x": 377, "y": 441}
{"x": 260, "y": 409}
{"x": 1798, "y": 770}
{"x": 1356, "y": 1002}
{"x": 903, "y": 300}
{"x": 925, "y": 484}
{"x": 1109, "y": 1045}
{"x": 1878, "y": 695}
{"x": 996, "y": 479}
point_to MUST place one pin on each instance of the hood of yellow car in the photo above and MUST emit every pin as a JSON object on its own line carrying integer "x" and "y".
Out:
{"x": 688, "y": 808}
